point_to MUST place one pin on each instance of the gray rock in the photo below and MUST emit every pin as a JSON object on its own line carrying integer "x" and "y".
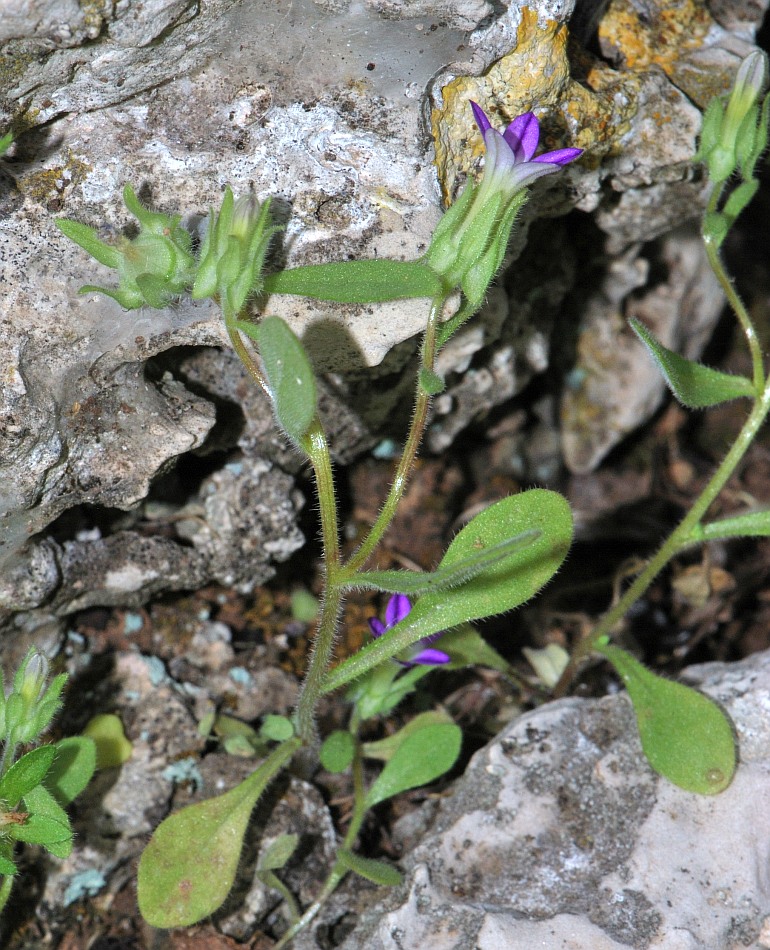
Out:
{"x": 338, "y": 110}
{"x": 559, "y": 835}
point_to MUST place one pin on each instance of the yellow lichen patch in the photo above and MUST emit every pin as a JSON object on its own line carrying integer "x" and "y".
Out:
{"x": 676, "y": 29}
{"x": 535, "y": 75}
{"x": 660, "y": 41}
{"x": 51, "y": 183}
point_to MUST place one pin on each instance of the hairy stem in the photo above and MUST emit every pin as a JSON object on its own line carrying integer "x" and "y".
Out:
{"x": 317, "y": 448}
{"x": 408, "y": 456}
{"x": 733, "y": 298}
{"x": 681, "y": 537}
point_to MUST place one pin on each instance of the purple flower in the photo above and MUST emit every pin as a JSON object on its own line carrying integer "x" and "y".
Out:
{"x": 469, "y": 243}
{"x": 398, "y": 608}
{"x": 510, "y": 165}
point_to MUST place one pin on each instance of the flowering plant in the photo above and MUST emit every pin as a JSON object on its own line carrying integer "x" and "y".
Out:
{"x": 497, "y": 562}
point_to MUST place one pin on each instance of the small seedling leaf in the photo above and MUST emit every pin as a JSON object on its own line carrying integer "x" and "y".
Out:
{"x": 421, "y": 758}
{"x": 357, "y": 281}
{"x": 385, "y": 749}
{"x": 375, "y": 871}
{"x": 686, "y": 737}
{"x": 112, "y": 746}
{"x": 25, "y": 774}
{"x": 289, "y": 374}
{"x": 276, "y": 728}
{"x": 337, "y": 751}
{"x": 694, "y": 385}
{"x": 278, "y": 852}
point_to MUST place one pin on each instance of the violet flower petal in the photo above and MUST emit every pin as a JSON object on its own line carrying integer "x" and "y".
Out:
{"x": 523, "y": 135}
{"x": 398, "y": 607}
{"x": 430, "y": 657}
{"x": 560, "y": 156}
{"x": 481, "y": 118}
{"x": 376, "y": 626}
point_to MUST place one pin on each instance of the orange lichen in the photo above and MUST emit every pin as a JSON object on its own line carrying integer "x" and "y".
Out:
{"x": 680, "y": 26}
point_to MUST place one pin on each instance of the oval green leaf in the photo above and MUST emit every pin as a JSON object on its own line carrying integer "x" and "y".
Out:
{"x": 421, "y": 758}
{"x": 187, "y": 869}
{"x": 289, "y": 373}
{"x": 337, "y": 751}
{"x": 375, "y": 871}
{"x": 686, "y": 737}
{"x": 278, "y": 852}
{"x": 506, "y": 583}
{"x": 112, "y": 746}
{"x": 357, "y": 281}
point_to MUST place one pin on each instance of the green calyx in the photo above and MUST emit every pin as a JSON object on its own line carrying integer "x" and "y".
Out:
{"x": 153, "y": 268}
{"x": 470, "y": 241}
{"x": 233, "y": 251}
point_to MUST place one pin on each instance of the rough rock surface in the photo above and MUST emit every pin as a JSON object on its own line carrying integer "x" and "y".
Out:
{"x": 338, "y": 110}
{"x": 560, "y": 836}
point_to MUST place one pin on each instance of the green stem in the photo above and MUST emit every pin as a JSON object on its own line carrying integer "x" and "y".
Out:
{"x": 339, "y": 870}
{"x": 243, "y": 354}
{"x": 406, "y": 463}
{"x": 272, "y": 880}
{"x": 688, "y": 531}
{"x": 5, "y": 890}
{"x": 733, "y": 298}
{"x": 317, "y": 448}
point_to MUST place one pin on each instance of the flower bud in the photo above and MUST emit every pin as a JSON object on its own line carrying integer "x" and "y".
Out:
{"x": 233, "y": 251}
{"x": 732, "y": 136}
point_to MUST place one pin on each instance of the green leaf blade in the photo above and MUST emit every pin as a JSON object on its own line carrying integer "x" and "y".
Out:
{"x": 694, "y": 385}
{"x": 275, "y": 856}
{"x": 72, "y": 769}
{"x": 685, "y": 736}
{"x": 25, "y": 774}
{"x": 289, "y": 374}
{"x": 188, "y": 868}
{"x": 337, "y": 751}
{"x": 357, "y": 281}
{"x": 421, "y": 758}
{"x": 504, "y": 585}
{"x": 87, "y": 238}
{"x": 370, "y": 869}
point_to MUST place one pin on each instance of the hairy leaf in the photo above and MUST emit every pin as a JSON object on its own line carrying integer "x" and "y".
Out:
{"x": 189, "y": 866}
{"x": 506, "y": 584}
{"x": 25, "y": 774}
{"x": 694, "y": 385}
{"x": 289, "y": 373}
{"x": 375, "y": 871}
{"x": 686, "y": 737}
{"x": 357, "y": 281}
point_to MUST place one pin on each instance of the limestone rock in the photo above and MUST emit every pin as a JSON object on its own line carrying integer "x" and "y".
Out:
{"x": 338, "y": 110}
{"x": 560, "y": 835}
